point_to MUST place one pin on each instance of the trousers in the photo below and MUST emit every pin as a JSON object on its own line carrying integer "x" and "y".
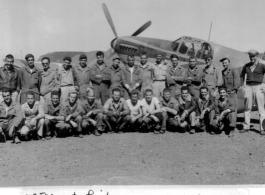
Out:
{"x": 150, "y": 121}
{"x": 254, "y": 93}
{"x": 63, "y": 127}
{"x": 26, "y": 129}
{"x": 87, "y": 124}
{"x": 158, "y": 87}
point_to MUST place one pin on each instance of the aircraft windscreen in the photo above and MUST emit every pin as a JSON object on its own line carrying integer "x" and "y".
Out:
{"x": 204, "y": 50}
{"x": 175, "y": 46}
{"x": 189, "y": 48}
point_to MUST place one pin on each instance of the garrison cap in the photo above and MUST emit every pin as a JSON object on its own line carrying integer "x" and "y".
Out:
{"x": 55, "y": 93}
{"x": 208, "y": 56}
{"x": 134, "y": 91}
{"x": 73, "y": 91}
{"x": 5, "y": 89}
{"x": 29, "y": 56}
{"x": 253, "y": 52}
{"x": 82, "y": 56}
{"x": 117, "y": 58}
{"x": 223, "y": 59}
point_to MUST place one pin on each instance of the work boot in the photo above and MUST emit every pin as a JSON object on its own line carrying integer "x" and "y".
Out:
{"x": 80, "y": 135}
{"x": 232, "y": 133}
{"x": 192, "y": 131}
{"x": 96, "y": 133}
{"x": 162, "y": 131}
{"x": 156, "y": 131}
{"x": 48, "y": 137}
{"x": 262, "y": 132}
{"x": 243, "y": 131}
{"x": 2, "y": 137}
{"x": 15, "y": 138}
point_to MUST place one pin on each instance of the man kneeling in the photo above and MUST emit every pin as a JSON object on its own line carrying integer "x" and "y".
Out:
{"x": 92, "y": 114}
{"x": 11, "y": 118}
{"x": 225, "y": 113}
{"x": 52, "y": 118}
{"x": 186, "y": 115}
{"x": 135, "y": 107}
{"x": 152, "y": 112}
{"x": 117, "y": 112}
{"x": 72, "y": 119}
{"x": 170, "y": 109}
{"x": 34, "y": 118}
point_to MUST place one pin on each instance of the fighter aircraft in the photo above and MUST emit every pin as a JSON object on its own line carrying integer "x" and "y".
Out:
{"x": 184, "y": 47}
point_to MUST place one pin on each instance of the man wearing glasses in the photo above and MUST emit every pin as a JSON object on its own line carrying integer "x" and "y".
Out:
{"x": 194, "y": 75}
{"x": 252, "y": 73}
{"x": 49, "y": 81}
{"x": 211, "y": 76}
{"x": 30, "y": 79}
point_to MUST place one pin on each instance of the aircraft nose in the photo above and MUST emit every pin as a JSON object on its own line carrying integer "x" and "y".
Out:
{"x": 113, "y": 43}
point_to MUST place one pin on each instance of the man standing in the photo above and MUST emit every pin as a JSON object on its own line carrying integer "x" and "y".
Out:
{"x": 67, "y": 79}
{"x": 211, "y": 76}
{"x": 99, "y": 76}
{"x": 9, "y": 78}
{"x": 34, "y": 118}
{"x": 83, "y": 76}
{"x": 176, "y": 75}
{"x": 205, "y": 111}
{"x": 11, "y": 118}
{"x": 49, "y": 81}
{"x": 231, "y": 79}
{"x": 52, "y": 110}
{"x": 194, "y": 75}
{"x": 92, "y": 114}
{"x": 132, "y": 77}
{"x": 117, "y": 112}
{"x": 169, "y": 109}
{"x": 186, "y": 114}
{"x": 115, "y": 76}
{"x": 159, "y": 75}
{"x": 135, "y": 107}
{"x": 30, "y": 79}
{"x": 152, "y": 113}
{"x": 146, "y": 69}
{"x": 226, "y": 113}
{"x": 254, "y": 89}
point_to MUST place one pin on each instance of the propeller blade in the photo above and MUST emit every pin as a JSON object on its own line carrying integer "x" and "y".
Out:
{"x": 108, "y": 16}
{"x": 142, "y": 28}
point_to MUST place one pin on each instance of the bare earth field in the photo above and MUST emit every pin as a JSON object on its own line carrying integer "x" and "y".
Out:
{"x": 136, "y": 159}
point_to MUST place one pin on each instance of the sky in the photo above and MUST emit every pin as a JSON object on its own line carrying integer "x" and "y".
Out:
{"x": 39, "y": 27}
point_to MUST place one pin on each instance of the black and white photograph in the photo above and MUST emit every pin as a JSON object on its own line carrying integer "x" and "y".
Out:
{"x": 132, "y": 93}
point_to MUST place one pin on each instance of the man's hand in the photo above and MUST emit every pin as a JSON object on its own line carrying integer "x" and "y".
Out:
{"x": 164, "y": 109}
{"x": 98, "y": 76}
{"x": 221, "y": 116}
{"x": 89, "y": 113}
{"x": 183, "y": 116}
{"x": 146, "y": 116}
{"x": 73, "y": 124}
{"x": 49, "y": 117}
{"x": 33, "y": 123}
{"x": 155, "y": 118}
{"x": 68, "y": 118}
{"x": 116, "y": 113}
{"x": 190, "y": 78}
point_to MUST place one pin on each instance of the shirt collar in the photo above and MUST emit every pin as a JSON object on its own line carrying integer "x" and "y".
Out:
{"x": 187, "y": 100}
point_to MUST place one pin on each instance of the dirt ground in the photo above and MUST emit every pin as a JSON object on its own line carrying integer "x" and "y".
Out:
{"x": 136, "y": 159}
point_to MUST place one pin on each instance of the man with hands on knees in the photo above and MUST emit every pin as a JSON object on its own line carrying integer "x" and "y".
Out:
{"x": 152, "y": 113}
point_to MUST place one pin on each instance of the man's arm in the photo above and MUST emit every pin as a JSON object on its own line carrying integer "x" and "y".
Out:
{"x": 140, "y": 79}
{"x": 236, "y": 80}
{"x": 219, "y": 78}
{"x": 193, "y": 107}
{"x": 126, "y": 110}
{"x": 182, "y": 77}
{"x": 93, "y": 75}
{"x": 169, "y": 79}
{"x": 124, "y": 80}
{"x": 242, "y": 76}
{"x": 158, "y": 108}
{"x": 40, "y": 113}
{"x": 17, "y": 120}
{"x": 140, "y": 113}
{"x": 106, "y": 107}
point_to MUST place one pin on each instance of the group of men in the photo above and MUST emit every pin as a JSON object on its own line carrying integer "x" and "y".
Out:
{"x": 74, "y": 100}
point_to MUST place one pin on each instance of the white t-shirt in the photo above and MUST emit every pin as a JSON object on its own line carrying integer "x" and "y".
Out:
{"x": 134, "y": 108}
{"x": 131, "y": 70}
{"x": 150, "y": 107}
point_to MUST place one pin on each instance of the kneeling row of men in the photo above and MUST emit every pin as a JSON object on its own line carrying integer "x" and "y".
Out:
{"x": 35, "y": 121}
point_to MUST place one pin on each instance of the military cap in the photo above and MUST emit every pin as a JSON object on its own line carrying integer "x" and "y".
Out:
{"x": 73, "y": 91}
{"x": 208, "y": 56}
{"x": 5, "y": 89}
{"x": 134, "y": 91}
{"x": 82, "y": 56}
{"x": 67, "y": 58}
{"x": 117, "y": 58}
{"x": 253, "y": 52}
{"x": 55, "y": 93}
{"x": 223, "y": 59}
{"x": 29, "y": 56}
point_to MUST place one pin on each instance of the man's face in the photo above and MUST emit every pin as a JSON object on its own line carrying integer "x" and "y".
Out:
{"x": 184, "y": 94}
{"x": 6, "y": 96}
{"x": 159, "y": 58}
{"x": 45, "y": 63}
{"x": 90, "y": 97}
{"x": 83, "y": 62}
{"x": 226, "y": 64}
{"x": 55, "y": 99}
{"x": 72, "y": 97}
{"x": 30, "y": 99}
{"x": 143, "y": 59}
{"x": 134, "y": 98}
{"x": 66, "y": 63}
{"x": 253, "y": 58}
{"x": 192, "y": 63}
{"x": 130, "y": 61}
{"x": 116, "y": 96}
{"x": 148, "y": 96}
{"x": 208, "y": 61}
{"x": 222, "y": 94}
{"x": 9, "y": 62}
{"x": 30, "y": 61}
{"x": 174, "y": 61}
{"x": 100, "y": 59}
{"x": 204, "y": 93}
{"x": 116, "y": 63}
{"x": 167, "y": 95}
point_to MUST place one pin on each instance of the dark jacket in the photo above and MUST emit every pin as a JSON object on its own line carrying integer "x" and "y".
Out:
{"x": 231, "y": 79}
{"x": 255, "y": 77}
{"x": 11, "y": 81}
{"x": 196, "y": 74}
{"x": 189, "y": 105}
{"x": 50, "y": 110}
{"x": 179, "y": 74}
{"x": 227, "y": 104}
{"x": 66, "y": 109}
{"x": 95, "y": 70}
{"x": 202, "y": 105}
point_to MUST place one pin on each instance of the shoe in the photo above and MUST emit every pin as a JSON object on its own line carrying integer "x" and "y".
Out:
{"x": 120, "y": 132}
{"x": 96, "y": 133}
{"x": 262, "y": 132}
{"x": 48, "y": 137}
{"x": 212, "y": 133}
{"x": 243, "y": 131}
{"x": 156, "y": 131}
{"x": 2, "y": 138}
{"x": 41, "y": 138}
{"x": 162, "y": 131}
{"x": 192, "y": 131}
{"x": 80, "y": 135}
{"x": 17, "y": 140}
